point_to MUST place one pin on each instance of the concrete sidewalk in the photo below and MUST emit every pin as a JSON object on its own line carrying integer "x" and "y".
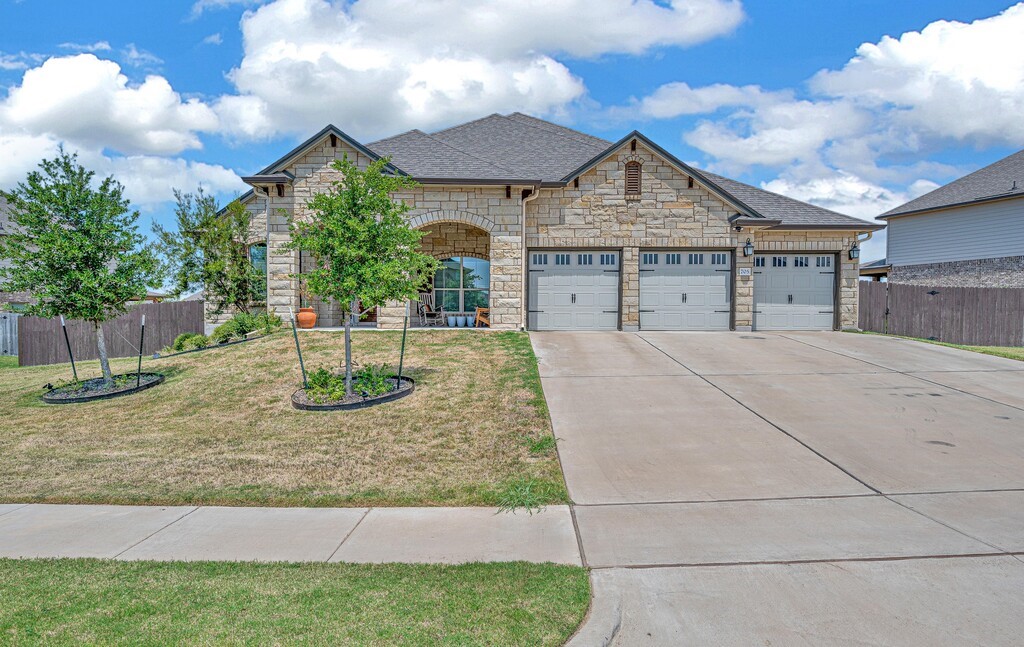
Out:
{"x": 187, "y": 533}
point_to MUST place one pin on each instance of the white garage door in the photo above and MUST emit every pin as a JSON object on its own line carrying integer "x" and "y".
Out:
{"x": 684, "y": 290}
{"x": 794, "y": 292}
{"x": 574, "y": 290}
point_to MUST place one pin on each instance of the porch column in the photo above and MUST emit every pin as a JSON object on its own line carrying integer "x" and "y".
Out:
{"x": 506, "y": 260}
{"x": 282, "y": 288}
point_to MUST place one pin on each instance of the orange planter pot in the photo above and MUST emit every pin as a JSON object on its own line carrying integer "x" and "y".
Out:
{"x": 306, "y": 318}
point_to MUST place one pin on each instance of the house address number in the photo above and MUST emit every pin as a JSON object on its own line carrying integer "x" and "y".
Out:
{"x": 744, "y": 271}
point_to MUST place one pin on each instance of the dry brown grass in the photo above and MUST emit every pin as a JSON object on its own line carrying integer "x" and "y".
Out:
{"x": 221, "y": 430}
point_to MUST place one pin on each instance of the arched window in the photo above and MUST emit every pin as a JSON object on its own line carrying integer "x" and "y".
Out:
{"x": 633, "y": 187}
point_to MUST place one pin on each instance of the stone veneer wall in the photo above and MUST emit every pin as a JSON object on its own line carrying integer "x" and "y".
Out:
{"x": 444, "y": 240}
{"x": 1005, "y": 272}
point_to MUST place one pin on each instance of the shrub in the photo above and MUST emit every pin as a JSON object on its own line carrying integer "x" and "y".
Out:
{"x": 372, "y": 380}
{"x": 196, "y": 341}
{"x": 243, "y": 323}
{"x": 369, "y": 381}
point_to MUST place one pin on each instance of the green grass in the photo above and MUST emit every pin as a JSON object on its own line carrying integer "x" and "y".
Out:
{"x": 72, "y": 602}
{"x": 1009, "y": 352}
{"x": 221, "y": 430}
{"x": 6, "y": 361}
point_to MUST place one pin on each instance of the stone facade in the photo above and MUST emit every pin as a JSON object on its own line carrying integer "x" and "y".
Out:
{"x": 672, "y": 212}
{"x": 1005, "y": 272}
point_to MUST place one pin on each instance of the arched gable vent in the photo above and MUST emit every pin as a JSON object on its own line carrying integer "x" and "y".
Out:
{"x": 633, "y": 179}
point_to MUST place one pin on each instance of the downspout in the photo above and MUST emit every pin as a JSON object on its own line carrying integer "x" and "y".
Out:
{"x": 525, "y": 264}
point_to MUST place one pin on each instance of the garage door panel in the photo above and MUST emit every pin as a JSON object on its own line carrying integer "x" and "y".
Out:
{"x": 685, "y": 290}
{"x": 573, "y": 290}
{"x": 794, "y": 292}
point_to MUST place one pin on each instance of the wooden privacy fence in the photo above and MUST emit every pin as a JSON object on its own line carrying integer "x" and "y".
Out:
{"x": 40, "y": 341}
{"x": 980, "y": 316}
{"x": 9, "y": 333}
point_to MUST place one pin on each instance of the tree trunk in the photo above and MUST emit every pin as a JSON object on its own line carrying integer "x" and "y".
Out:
{"x": 101, "y": 346}
{"x": 353, "y": 308}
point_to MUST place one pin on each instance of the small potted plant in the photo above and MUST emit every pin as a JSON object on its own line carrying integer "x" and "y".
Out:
{"x": 307, "y": 316}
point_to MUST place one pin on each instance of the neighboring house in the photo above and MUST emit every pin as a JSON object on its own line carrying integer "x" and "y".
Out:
{"x": 968, "y": 233}
{"x": 9, "y": 300}
{"x": 554, "y": 229}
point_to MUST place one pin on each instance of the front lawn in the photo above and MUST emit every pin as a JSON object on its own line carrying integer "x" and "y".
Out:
{"x": 72, "y": 602}
{"x": 221, "y": 430}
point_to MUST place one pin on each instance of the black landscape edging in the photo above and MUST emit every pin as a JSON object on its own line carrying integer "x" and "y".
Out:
{"x": 390, "y": 396}
{"x": 212, "y": 346}
{"x": 106, "y": 396}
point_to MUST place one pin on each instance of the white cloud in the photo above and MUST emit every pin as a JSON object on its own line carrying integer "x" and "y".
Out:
{"x": 379, "y": 66}
{"x": 98, "y": 46}
{"x": 846, "y": 141}
{"x": 139, "y": 57}
{"x": 213, "y": 39}
{"x": 150, "y": 180}
{"x": 202, "y": 6}
{"x": 87, "y": 100}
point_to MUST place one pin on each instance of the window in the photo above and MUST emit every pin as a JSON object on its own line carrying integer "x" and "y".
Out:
{"x": 650, "y": 259}
{"x": 258, "y": 258}
{"x": 673, "y": 259}
{"x": 778, "y": 261}
{"x": 540, "y": 259}
{"x": 584, "y": 259}
{"x": 759, "y": 261}
{"x": 696, "y": 259}
{"x": 801, "y": 261}
{"x": 561, "y": 259}
{"x": 608, "y": 259}
{"x": 824, "y": 261}
{"x": 462, "y": 284}
{"x": 718, "y": 259}
{"x": 633, "y": 188}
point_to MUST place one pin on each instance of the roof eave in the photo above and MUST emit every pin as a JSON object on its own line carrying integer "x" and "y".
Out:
{"x": 478, "y": 181}
{"x": 330, "y": 129}
{"x": 866, "y": 226}
{"x": 915, "y": 212}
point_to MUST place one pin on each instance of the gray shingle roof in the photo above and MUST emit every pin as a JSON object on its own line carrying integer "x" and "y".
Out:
{"x": 792, "y": 213}
{"x": 1002, "y": 179}
{"x": 508, "y": 147}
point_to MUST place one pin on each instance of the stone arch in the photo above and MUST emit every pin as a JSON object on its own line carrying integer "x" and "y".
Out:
{"x": 452, "y": 216}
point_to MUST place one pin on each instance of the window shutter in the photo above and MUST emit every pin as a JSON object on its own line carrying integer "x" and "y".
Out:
{"x": 633, "y": 179}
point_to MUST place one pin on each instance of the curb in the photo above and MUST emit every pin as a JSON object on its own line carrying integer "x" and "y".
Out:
{"x": 603, "y": 619}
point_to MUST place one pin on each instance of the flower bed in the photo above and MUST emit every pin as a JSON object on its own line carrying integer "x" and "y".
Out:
{"x": 301, "y": 399}
{"x": 98, "y": 389}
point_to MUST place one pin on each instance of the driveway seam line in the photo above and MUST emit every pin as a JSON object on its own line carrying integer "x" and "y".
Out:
{"x": 347, "y": 535}
{"x": 787, "y": 562}
{"x": 943, "y": 523}
{"x": 156, "y": 532}
{"x": 780, "y": 429}
{"x": 918, "y": 377}
{"x": 23, "y": 505}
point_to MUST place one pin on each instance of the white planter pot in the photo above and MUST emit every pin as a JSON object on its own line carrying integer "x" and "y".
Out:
{"x": 453, "y": 321}
{"x": 463, "y": 321}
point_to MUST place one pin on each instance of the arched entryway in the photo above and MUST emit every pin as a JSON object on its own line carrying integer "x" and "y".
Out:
{"x": 463, "y": 282}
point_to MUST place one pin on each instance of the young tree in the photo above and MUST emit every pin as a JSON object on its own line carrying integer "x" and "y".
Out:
{"x": 365, "y": 252}
{"x": 209, "y": 250}
{"x": 76, "y": 249}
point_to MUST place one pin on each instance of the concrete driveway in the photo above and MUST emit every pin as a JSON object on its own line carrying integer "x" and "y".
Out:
{"x": 791, "y": 488}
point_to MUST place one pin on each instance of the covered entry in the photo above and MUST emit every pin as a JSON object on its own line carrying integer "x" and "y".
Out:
{"x": 685, "y": 290}
{"x": 573, "y": 290}
{"x": 794, "y": 291}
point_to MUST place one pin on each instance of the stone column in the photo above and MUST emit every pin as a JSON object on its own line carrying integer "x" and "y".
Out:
{"x": 631, "y": 289}
{"x": 506, "y": 281}
{"x": 849, "y": 287}
{"x": 282, "y": 264}
{"x": 743, "y": 296}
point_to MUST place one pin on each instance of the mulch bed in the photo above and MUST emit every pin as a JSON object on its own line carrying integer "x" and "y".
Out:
{"x": 302, "y": 401}
{"x": 96, "y": 389}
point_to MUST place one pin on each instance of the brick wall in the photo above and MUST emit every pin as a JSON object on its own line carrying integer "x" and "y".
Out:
{"x": 1005, "y": 272}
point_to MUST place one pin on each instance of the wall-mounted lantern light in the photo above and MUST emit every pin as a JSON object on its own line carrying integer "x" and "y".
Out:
{"x": 748, "y": 249}
{"x": 854, "y": 252}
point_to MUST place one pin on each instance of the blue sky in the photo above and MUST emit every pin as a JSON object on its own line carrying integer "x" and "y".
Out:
{"x": 857, "y": 106}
